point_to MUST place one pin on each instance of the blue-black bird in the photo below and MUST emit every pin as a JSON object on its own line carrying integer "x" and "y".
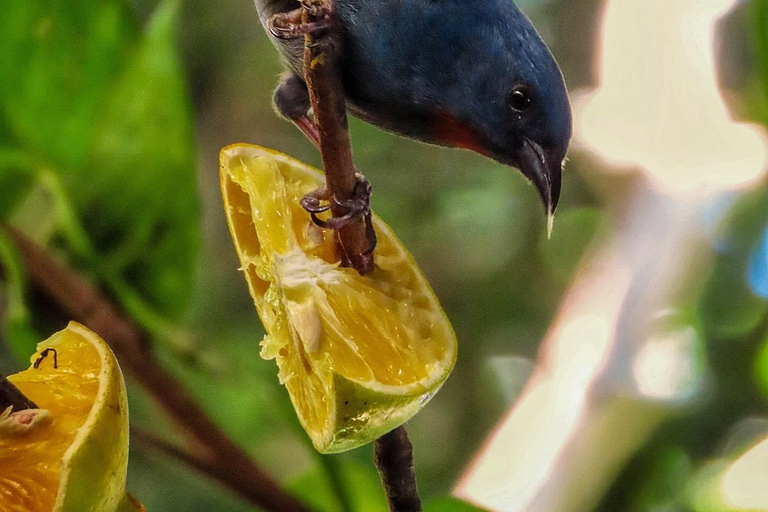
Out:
{"x": 471, "y": 74}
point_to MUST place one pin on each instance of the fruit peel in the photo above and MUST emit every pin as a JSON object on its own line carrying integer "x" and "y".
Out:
{"x": 94, "y": 468}
{"x": 93, "y": 465}
{"x": 364, "y": 414}
{"x": 294, "y": 280}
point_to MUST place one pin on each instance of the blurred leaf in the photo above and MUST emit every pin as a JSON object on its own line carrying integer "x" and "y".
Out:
{"x": 504, "y": 377}
{"x": 761, "y": 368}
{"x": 102, "y": 115}
{"x": 16, "y": 178}
{"x": 758, "y": 268}
{"x": 735, "y": 483}
{"x": 743, "y": 435}
{"x": 450, "y": 505}
{"x": 728, "y": 307}
{"x": 57, "y": 60}
{"x": 739, "y": 65}
{"x": 704, "y": 492}
{"x": 477, "y": 230}
{"x": 16, "y": 320}
{"x": 361, "y": 483}
{"x": 663, "y": 484}
{"x": 573, "y": 233}
{"x": 139, "y": 190}
{"x": 35, "y": 215}
{"x": 760, "y": 34}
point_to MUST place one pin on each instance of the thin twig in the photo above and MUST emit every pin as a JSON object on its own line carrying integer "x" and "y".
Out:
{"x": 225, "y": 461}
{"x": 326, "y": 92}
{"x": 393, "y": 455}
{"x": 197, "y": 459}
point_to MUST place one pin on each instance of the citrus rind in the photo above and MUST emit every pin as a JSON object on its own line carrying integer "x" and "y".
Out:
{"x": 92, "y": 470}
{"x": 305, "y": 298}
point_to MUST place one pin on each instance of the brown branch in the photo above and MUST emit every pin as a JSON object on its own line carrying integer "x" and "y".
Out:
{"x": 393, "y": 451}
{"x": 393, "y": 455}
{"x": 197, "y": 459}
{"x": 225, "y": 461}
{"x": 11, "y": 396}
{"x": 321, "y": 72}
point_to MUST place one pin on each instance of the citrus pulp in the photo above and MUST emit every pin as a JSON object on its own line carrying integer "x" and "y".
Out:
{"x": 359, "y": 355}
{"x": 75, "y": 458}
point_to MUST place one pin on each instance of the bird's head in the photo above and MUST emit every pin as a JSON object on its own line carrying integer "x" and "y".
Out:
{"x": 513, "y": 107}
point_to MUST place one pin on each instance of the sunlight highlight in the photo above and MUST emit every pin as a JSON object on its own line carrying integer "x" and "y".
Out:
{"x": 553, "y": 402}
{"x": 665, "y": 368}
{"x": 659, "y": 106}
{"x": 743, "y": 485}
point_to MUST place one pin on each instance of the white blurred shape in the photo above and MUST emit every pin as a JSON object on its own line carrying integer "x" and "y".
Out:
{"x": 552, "y": 404}
{"x": 659, "y": 106}
{"x": 743, "y": 485}
{"x": 666, "y": 366}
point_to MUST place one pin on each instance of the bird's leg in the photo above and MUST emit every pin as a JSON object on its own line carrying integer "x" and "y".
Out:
{"x": 290, "y": 25}
{"x": 356, "y": 207}
{"x": 291, "y": 99}
{"x": 346, "y": 195}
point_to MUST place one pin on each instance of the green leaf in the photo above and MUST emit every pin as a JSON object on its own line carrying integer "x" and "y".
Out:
{"x": 360, "y": 482}
{"x": 761, "y": 368}
{"x": 662, "y": 485}
{"x": 450, "y": 505}
{"x": 57, "y": 60}
{"x": 574, "y": 231}
{"x": 102, "y": 115}
{"x": 16, "y": 179}
{"x": 138, "y": 190}
{"x": 728, "y": 307}
{"x": 16, "y": 320}
{"x": 760, "y": 35}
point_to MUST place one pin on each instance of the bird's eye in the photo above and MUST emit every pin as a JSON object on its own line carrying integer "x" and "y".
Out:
{"x": 520, "y": 99}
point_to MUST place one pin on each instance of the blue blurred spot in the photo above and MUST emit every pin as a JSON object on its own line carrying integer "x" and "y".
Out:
{"x": 714, "y": 222}
{"x": 758, "y": 268}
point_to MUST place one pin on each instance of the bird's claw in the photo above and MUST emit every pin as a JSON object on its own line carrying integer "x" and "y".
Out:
{"x": 284, "y": 26}
{"x": 317, "y": 9}
{"x": 291, "y": 25}
{"x": 356, "y": 207}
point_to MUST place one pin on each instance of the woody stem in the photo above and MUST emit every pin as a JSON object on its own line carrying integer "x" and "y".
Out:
{"x": 321, "y": 72}
{"x": 11, "y": 396}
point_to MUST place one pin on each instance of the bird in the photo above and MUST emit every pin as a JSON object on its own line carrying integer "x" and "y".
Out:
{"x": 470, "y": 74}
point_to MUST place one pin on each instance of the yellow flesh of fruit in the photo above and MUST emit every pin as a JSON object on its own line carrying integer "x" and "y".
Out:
{"x": 31, "y": 462}
{"x": 385, "y": 332}
{"x": 76, "y": 460}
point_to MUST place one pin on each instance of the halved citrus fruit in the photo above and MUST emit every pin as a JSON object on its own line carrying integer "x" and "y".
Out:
{"x": 74, "y": 459}
{"x": 359, "y": 355}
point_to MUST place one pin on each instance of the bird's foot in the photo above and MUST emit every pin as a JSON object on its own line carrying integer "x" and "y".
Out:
{"x": 317, "y": 9}
{"x": 291, "y": 25}
{"x": 355, "y": 208}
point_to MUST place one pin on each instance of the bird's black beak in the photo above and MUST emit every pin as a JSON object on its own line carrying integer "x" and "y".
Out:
{"x": 544, "y": 169}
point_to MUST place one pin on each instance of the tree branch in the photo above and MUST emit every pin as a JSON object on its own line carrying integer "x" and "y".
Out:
{"x": 393, "y": 451}
{"x": 11, "y": 396}
{"x": 393, "y": 455}
{"x": 224, "y": 460}
{"x": 194, "y": 459}
{"x": 326, "y": 92}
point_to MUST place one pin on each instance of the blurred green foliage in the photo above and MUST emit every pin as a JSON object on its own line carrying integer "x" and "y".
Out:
{"x": 96, "y": 145}
{"x": 112, "y": 114}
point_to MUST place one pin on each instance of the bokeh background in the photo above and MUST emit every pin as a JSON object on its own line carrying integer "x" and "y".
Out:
{"x": 112, "y": 114}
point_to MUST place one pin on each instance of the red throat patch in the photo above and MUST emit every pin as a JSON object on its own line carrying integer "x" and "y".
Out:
{"x": 453, "y": 133}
